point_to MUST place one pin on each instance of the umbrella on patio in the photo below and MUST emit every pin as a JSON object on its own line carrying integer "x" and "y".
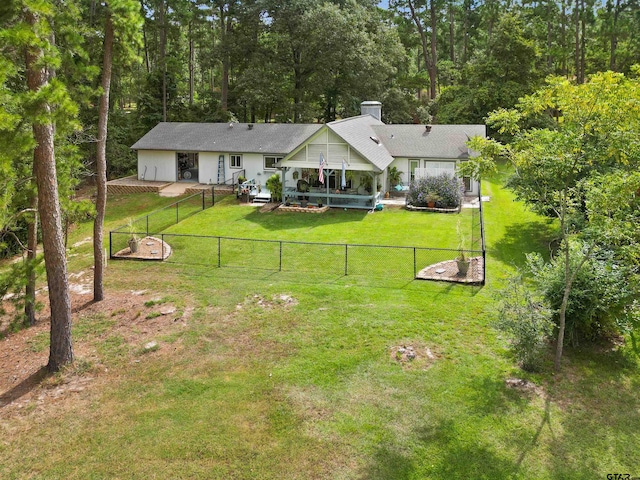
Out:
{"x": 344, "y": 175}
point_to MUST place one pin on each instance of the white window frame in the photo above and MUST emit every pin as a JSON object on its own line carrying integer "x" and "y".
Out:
{"x": 276, "y": 159}
{"x": 416, "y": 162}
{"x": 235, "y": 156}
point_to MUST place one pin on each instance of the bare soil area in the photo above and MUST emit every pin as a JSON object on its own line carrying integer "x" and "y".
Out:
{"x": 137, "y": 319}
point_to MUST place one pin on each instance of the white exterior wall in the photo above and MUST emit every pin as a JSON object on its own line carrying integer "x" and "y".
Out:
{"x": 252, "y": 164}
{"x": 208, "y": 167}
{"x": 160, "y": 165}
{"x": 402, "y": 164}
{"x": 334, "y": 150}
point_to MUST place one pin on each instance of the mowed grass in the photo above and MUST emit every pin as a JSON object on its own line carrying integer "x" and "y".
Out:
{"x": 277, "y": 376}
{"x": 391, "y": 226}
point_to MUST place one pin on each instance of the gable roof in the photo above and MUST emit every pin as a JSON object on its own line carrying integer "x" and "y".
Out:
{"x": 443, "y": 141}
{"x": 371, "y": 138}
{"x": 359, "y": 132}
{"x": 278, "y": 138}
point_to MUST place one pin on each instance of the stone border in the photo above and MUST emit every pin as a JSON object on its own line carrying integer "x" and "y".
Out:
{"x": 131, "y": 184}
{"x": 433, "y": 209}
{"x": 218, "y": 189}
{"x": 146, "y": 252}
{"x": 313, "y": 209}
{"x": 450, "y": 273}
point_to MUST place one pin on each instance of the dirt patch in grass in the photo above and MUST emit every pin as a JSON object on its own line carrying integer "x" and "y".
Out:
{"x": 412, "y": 355}
{"x": 282, "y": 300}
{"x": 106, "y": 334}
{"x": 523, "y": 386}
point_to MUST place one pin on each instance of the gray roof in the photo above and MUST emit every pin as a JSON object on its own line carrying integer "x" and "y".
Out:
{"x": 443, "y": 141}
{"x": 360, "y": 132}
{"x": 277, "y": 138}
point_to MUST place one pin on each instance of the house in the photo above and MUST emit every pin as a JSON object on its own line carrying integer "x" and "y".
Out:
{"x": 356, "y": 154}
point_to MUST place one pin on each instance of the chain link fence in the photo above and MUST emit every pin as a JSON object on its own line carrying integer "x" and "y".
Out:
{"x": 375, "y": 261}
{"x": 161, "y": 219}
{"x": 307, "y": 258}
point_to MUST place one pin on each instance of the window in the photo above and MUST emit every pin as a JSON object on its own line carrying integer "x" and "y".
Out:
{"x": 270, "y": 162}
{"x": 235, "y": 161}
{"x": 433, "y": 169}
{"x": 467, "y": 184}
{"x": 413, "y": 164}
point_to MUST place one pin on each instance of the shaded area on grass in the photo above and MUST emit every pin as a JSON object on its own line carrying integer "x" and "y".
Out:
{"x": 522, "y": 238}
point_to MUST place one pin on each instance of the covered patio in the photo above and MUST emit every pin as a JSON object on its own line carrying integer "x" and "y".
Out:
{"x": 334, "y": 191}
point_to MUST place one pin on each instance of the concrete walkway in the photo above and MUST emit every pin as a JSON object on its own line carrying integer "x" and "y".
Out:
{"x": 175, "y": 189}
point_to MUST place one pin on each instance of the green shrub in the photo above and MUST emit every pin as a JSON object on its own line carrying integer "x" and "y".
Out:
{"x": 444, "y": 188}
{"x": 599, "y": 295}
{"x": 275, "y": 187}
{"x": 526, "y": 321}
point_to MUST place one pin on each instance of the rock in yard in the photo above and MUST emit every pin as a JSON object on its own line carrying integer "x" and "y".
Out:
{"x": 151, "y": 346}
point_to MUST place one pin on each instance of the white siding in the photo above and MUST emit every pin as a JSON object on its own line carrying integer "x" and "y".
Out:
{"x": 252, "y": 164}
{"x": 208, "y": 167}
{"x": 334, "y": 149}
{"x": 432, "y": 166}
{"x": 157, "y": 165}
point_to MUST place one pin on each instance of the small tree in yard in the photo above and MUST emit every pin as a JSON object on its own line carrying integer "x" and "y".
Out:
{"x": 526, "y": 321}
{"x": 562, "y": 171}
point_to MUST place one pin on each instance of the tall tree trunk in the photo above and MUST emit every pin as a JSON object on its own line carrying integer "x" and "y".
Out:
{"x": 44, "y": 165}
{"x": 452, "y": 36}
{"x": 163, "y": 60}
{"x": 225, "y": 28}
{"x": 583, "y": 39}
{"x": 465, "y": 33}
{"x": 433, "y": 71}
{"x": 298, "y": 85}
{"x": 32, "y": 251}
{"x": 563, "y": 38}
{"x": 192, "y": 54}
{"x": 427, "y": 52}
{"x": 614, "y": 37}
{"x": 145, "y": 44}
{"x": 549, "y": 38}
{"x": 576, "y": 18}
{"x": 101, "y": 162}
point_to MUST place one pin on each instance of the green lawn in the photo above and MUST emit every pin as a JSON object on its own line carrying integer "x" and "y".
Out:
{"x": 256, "y": 387}
{"x": 391, "y": 226}
{"x": 313, "y": 245}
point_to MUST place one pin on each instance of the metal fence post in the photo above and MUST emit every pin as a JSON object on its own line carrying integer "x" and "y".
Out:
{"x": 346, "y": 259}
{"x": 110, "y": 244}
{"x": 219, "y": 253}
{"x": 280, "y": 267}
{"x": 415, "y": 268}
{"x": 147, "y": 225}
{"x": 213, "y": 196}
{"x": 202, "y": 199}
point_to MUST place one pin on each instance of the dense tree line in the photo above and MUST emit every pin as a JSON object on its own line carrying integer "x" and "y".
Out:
{"x": 81, "y": 80}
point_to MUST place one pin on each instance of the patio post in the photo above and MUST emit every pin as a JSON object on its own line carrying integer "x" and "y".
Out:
{"x": 284, "y": 180}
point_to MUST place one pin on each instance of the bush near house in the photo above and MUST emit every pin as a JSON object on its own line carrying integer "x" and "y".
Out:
{"x": 275, "y": 187}
{"x": 447, "y": 188}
